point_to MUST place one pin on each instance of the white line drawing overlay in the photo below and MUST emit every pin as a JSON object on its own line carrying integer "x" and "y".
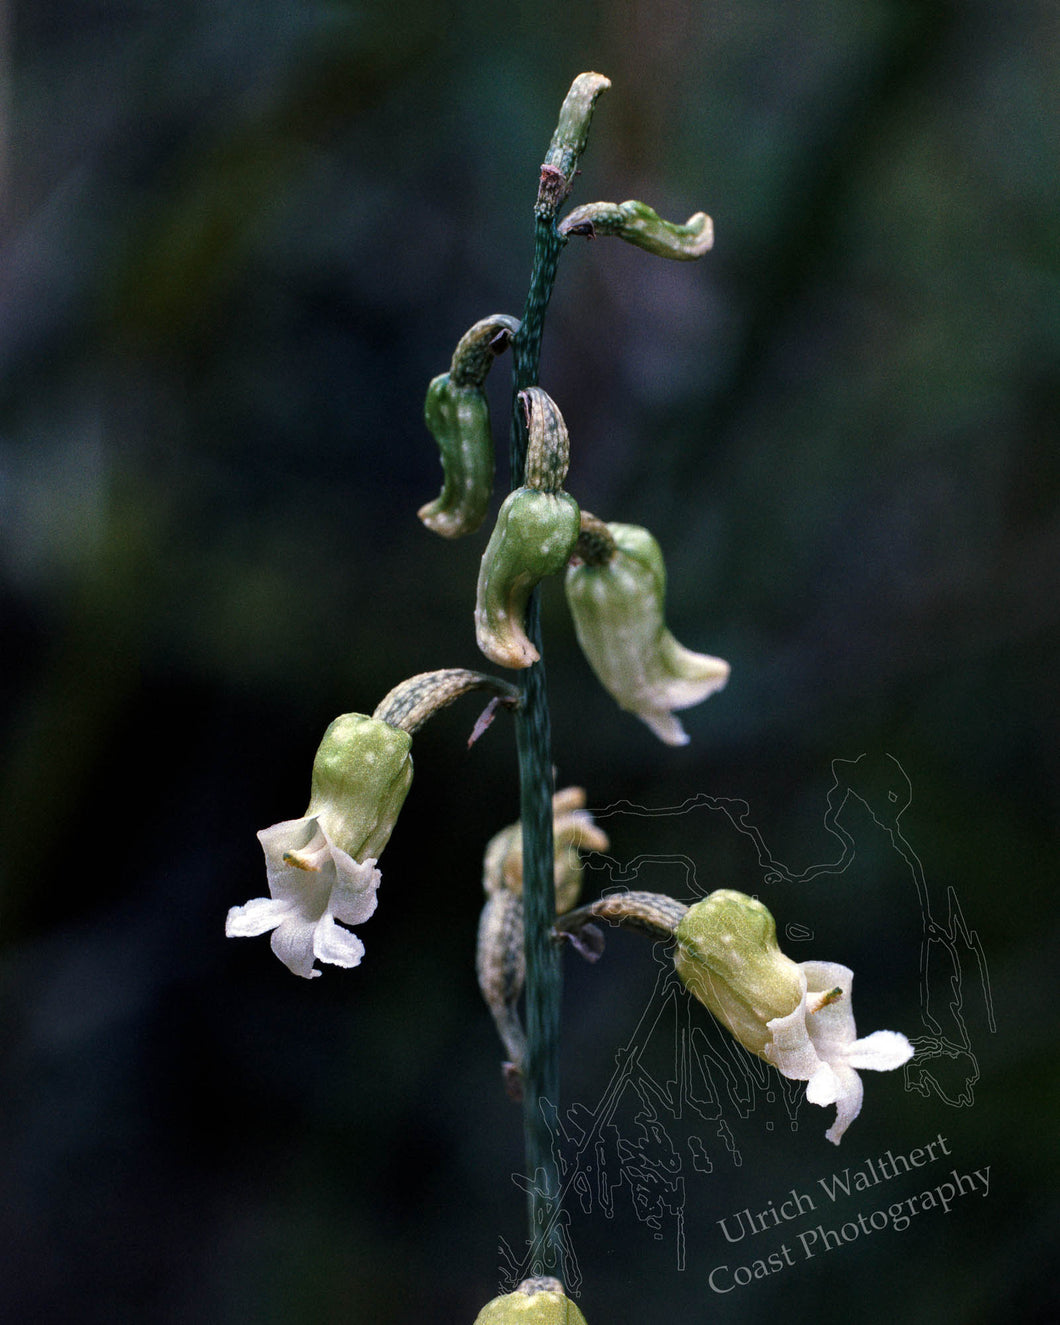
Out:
{"x": 603, "y": 1156}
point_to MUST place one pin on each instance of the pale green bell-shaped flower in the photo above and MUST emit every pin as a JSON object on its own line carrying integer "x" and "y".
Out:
{"x": 536, "y": 530}
{"x": 798, "y": 1016}
{"x": 727, "y": 955}
{"x": 322, "y": 867}
{"x": 540, "y": 1301}
{"x": 617, "y": 600}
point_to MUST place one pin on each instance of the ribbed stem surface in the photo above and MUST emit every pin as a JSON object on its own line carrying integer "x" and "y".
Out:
{"x": 533, "y": 735}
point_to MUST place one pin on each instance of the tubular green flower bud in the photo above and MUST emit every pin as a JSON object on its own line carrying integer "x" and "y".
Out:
{"x": 539, "y": 1301}
{"x": 321, "y": 867}
{"x": 636, "y": 223}
{"x": 797, "y": 1016}
{"x": 534, "y": 536}
{"x": 568, "y": 142}
{"x": 536, "y": 530}
{"x": 456, "y": 413}
{"x": 617, "y": 605}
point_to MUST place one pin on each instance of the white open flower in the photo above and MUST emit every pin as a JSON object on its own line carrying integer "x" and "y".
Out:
{"x": 321, "y": 867}
{"x": 798, "y": 1016}
{"x": 313, "y": 885}
{"x": 818, "y": 1044}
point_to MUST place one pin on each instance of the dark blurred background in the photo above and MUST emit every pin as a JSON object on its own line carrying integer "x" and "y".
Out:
{"x": 238, "y": 240}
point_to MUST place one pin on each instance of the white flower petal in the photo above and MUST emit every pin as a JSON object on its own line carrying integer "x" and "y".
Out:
{"x": 663, "y": 723}
{"x": 258, "y": 917}
{"x": 689, "y": 677}
{"x": 293, "y": 943}
{"x": 332, "y": 943}
{"x": 290, "y": 835}
{"x": 824, "y": 1087}
{"x": 848, "y": 1103}
{"x": 881, "y": 1051}
{"x": 298, "y": 864}
{"x": 790, "y": 1048}
{"x": 353, "y": 895}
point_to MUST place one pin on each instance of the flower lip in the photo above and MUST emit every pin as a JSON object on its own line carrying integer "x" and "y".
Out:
{"x": 313, "y": 886}
{"x": 818, "y": 1044}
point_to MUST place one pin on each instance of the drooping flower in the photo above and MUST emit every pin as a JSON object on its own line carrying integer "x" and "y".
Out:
{"x": 798, "y": 1016}
{"x": 322, "y": 867}
{"x": 536, "y": 529}
{"x": 616, "y": 591}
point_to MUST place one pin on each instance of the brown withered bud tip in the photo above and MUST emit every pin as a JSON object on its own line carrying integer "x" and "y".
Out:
{"x": 512, "y": 1076}
{"x": 540, "y": 1284}
{"x": 485, "y": 718}
{"x": 588, "y": 942}
{"x": 552, "y": 189}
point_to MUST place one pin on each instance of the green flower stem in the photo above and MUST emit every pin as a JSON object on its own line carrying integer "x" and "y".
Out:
{"x": 533, "y": 723}
{"x": 534, "y": 741}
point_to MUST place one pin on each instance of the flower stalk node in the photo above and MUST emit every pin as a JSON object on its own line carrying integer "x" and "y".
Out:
{"x": 653, "y": 914}
{"x": 596, "y": 545}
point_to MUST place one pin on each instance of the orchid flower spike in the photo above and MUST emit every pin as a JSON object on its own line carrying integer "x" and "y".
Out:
{"x": 796, "y": 1016}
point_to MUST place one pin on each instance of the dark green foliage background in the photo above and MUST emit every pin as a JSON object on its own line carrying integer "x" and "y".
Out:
{"x": 238, "y": 240}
